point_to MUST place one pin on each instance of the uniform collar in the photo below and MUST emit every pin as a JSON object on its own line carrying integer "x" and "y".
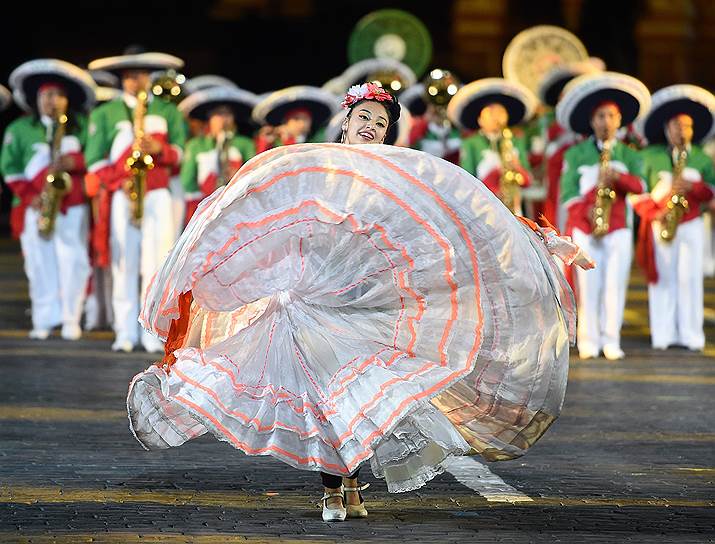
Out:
{"x": 131, "y": 101}
{"x": 599, "y": 143}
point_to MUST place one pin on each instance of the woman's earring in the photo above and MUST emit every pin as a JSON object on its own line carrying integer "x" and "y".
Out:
{"x": 342, "y": 137}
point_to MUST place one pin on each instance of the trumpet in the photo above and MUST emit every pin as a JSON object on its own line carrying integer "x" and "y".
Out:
{"x": 511, "y": 179}
{"x": 57, "y": 182}
{"x": 605, "y": 195}
{"x": 677, "y": 204}
{"x": 138, "y": 163}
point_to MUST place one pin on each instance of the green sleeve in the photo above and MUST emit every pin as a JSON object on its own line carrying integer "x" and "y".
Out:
{"x": 467, "y": 158}
{"x": 647, "y": 169}
{"x": 636, "y": 167}
{"x": 570, "y": 176}
{"x": 177, "y": 128}
{"x": 98, "y": 144}
{"x": 520, "y": 144}
{"x": 248, "y": 149}
{"x": 11, "y": 163}
{"x": 708, "y": 171}
{"x": 189, "y": 169}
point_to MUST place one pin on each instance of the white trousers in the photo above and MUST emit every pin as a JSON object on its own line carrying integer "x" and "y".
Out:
{"x": 136, "y": 256}
{"x": 57, "y": 268}
{"x": 98, "y": 306}
{"x": 602, "y": 291}
{"x": 178, "y": 203}
{"x": 675, "y": 302}
{"x": 708, "y": 244}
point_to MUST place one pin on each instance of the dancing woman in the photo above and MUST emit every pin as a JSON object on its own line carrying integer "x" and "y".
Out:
{"x": 339, "y": 303}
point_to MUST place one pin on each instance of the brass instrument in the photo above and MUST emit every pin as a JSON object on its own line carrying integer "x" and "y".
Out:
{"x": 605, "y": 196}
{"x": 440, "y": 86}
{"x": 138, "y": 163}
{"x": 169, "y": 86}
{"x": 57, "y": 183}
{"x": 223, "y": 147}
{"x": 511, "y": 179}
{"x": 677, "y": 204}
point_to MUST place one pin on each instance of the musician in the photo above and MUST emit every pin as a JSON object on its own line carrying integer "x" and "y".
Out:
{"x": 432, "y": 131}
{"x": 557, "y": 140}
{"x": 138, "y": 244}
{"x": 51, "y": 219}
{"x": 292, "y": 115}
{"x": 211, "y": 160}
{"x": 680, "y": 179}
{"x": 595, "y": 106}
{"x": 494, "y": 155}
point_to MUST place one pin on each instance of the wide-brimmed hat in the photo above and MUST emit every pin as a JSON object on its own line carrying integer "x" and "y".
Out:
{"x": 5, "y": 98}
{"x": 470, "y": 100}
{"x": 321, "y": 104}
{"x": 583, "y": 94}
{"x": 397, "y": 134}
{"x": 107, "y": 85}
{"x": 413, "y": 99}
{"x": 368, "y": 69}
{"x": 674, "y": 100}
{"x": 206, "y": 81}
{"x": 556, "y": 79}
{"x": 200, "y": 103}
{"x": 27, "y": 79}
{"x": 135, "y": 58}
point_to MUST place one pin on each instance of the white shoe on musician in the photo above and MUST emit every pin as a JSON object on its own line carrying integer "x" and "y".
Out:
{"x": 613, "y": 352}
{"x": 38, "y": 334}
{"x": 122, "y": 345}
{"x": 71, "y": 332}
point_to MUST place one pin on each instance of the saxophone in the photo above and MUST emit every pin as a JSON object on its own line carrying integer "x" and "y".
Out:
{"x": 511, "y": 179}
{"x": 223, "y": 157}
{"x": 138, "y": 163}
{"x": 605, "y": 196}
{"x": 677, "y": 204}
{"x": 57, "y": 182}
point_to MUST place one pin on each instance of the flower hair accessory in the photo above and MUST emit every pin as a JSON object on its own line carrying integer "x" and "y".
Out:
{"x": 366, "y": 91}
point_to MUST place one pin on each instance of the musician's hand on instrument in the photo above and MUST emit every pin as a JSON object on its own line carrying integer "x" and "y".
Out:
{"x": 682, "y": 186}
{"x": 612, "y": 176}
{"x": 35, "y": 203}
{"x": 150, "y": 145}
{"x": 268, "y": 133}
{"x": 65, "y": 163}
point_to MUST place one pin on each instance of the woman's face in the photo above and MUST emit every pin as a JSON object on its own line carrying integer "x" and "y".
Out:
{"x": 366, "y": 124}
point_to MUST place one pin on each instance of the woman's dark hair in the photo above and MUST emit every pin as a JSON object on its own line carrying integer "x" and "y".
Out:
{"x": 392, "y": 107}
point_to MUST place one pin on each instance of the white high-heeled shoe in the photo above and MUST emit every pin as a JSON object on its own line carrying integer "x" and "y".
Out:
{"x": 334, "y": 514}
{"x": 356, "y": 510}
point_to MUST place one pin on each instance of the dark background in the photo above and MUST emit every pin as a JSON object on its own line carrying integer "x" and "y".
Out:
{"x": 264, "y": 45}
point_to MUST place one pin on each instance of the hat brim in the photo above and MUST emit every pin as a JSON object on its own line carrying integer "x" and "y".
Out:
{"x": 654, "y": 125}
{"x": 241, "y": 110}
{"x": 321, "y": 104}
{"x": 580, "y": 117}
{"x": 148, "y": 62}
{"x": 551, "y": 92}
{"x": 465, "y": 106}
{"x": 77, "y": 94}
{"x": 319, "y": 111}
{"x": 413, "y": 99}
{"x": 515, "y": 108}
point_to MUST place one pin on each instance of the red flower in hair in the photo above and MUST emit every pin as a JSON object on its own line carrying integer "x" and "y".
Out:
{"x": 366, "y": 91}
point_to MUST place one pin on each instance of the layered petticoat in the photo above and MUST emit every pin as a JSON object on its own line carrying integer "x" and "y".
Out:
{"x": 336, "y": 303}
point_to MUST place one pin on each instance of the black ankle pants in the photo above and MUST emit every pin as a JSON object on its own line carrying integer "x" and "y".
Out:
{"x": 333, "y": 482}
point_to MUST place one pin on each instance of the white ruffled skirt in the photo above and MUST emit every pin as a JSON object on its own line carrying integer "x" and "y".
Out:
{"x": 335, "y": 304}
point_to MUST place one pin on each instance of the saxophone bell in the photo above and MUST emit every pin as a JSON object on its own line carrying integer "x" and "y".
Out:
{"x": 677, "y": 205}
{"x": 58, "y": 183}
